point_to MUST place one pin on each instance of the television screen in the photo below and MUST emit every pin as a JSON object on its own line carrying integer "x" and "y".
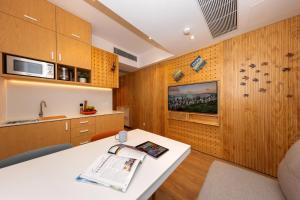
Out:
{"x": 197, "y": 98}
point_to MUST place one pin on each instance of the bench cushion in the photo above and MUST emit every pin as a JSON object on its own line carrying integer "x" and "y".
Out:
{"x": 228, "y": 182}
{"x": 289, "y": 173}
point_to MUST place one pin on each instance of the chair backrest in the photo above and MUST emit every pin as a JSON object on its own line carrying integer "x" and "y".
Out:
{"x": 102, "y": 135}
{"x": 289, "y": 173}
{"x": 33, "y": 154}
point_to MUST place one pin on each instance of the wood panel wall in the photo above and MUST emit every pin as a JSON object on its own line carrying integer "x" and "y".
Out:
{"x": 254, "y": 131}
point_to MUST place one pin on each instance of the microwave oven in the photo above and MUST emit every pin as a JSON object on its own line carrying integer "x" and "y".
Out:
{"x": 28, "y": 67}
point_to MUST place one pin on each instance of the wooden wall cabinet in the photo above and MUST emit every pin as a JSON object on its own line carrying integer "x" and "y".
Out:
{"x": 39, "y": 12}
{"x": 73, "y": 52}
{"x": 113, "y": 122}
{"x": 18, "y": 139}
{"x": 105, "y": 69}
{"x": 72, "y": 26}
{"x": 26, "y": 39}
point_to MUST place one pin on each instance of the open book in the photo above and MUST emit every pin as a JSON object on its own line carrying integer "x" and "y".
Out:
{"x": 114, "y": 169}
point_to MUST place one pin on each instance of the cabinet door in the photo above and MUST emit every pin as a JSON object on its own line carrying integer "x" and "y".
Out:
{"x": 39, "y": 12}
{"x": 73, "y": 52}
{"x": 22, "y": 138}
{"x": 72, "y": 26}
{"x": 114, "y": 122}
{"x": 26, "y": 39}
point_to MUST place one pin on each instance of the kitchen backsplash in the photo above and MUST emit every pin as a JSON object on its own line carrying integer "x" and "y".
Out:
{"x": 23, "y": 99}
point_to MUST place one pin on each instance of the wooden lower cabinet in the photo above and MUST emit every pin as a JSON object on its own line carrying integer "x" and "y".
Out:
{"x": 18, "y": 139}
{"x": 113, "y": 122}
{"x": 82, "y": 130}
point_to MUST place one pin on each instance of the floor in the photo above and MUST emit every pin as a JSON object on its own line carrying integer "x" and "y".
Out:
{"x": 186, "y": 181}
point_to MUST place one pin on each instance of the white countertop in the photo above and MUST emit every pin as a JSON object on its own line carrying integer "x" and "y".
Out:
{"x": 54, "y": 176}
{"x": 111, "y": 112}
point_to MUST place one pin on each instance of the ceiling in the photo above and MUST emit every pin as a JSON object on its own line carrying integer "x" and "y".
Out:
{"x": 164, "y": 20}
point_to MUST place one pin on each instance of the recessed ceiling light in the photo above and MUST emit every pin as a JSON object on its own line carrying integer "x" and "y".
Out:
{"x": 186, "y": 30}
{"x": 150, "y": 38}
{"x": 192, "y": 37}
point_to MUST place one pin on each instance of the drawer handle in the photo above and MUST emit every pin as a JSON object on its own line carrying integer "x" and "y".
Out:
{"x": 77, "y": 36}
{"x": 85, "y": 142}
{"x": 84, "y": 131}
{"x": 31, "y": 18}
{"x": 84, "y": 122}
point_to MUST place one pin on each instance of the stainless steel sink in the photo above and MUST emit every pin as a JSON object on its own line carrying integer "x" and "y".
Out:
{"x": 21, "y": 121}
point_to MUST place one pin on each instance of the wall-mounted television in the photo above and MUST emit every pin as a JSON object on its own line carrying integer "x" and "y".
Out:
{"x": 195, "y": 98}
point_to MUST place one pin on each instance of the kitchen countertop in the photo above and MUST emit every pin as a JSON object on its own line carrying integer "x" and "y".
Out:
{"x": 68, "y": 117}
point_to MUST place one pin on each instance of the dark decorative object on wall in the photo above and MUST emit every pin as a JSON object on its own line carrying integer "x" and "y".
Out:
{"x": 266, "y": 74}
{"x": 246, "y": 95}
{"x": 257, "y": 71}
{"x": 252, "y": 65}
{"x": 268, "y": 82}
{"x": 113, "y": 67}
{"x": 255, "y": 79}
{"x": 243, "y": 83}
{"x": 198, "y": 64}
{"x": 264, "y": 63}
{"x": 262, "y": 90}
{"x": 245, "y": 78}
{"x": 289, "y": 96}
{"x": 289, "y": 55}
{"x": 178, "y": 75}
{"x": 286, "y": 69}
{"x": 242, "y": 70}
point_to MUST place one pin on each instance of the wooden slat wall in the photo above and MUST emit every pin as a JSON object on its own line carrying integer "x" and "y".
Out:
{"x": 144, "y": 93}
{"x": 254, "y": 131}
{"x": 258, "y": 129}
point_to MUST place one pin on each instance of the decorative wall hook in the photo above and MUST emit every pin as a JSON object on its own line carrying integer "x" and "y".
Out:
{"x": 264, "y": 63}
{"x": 266, "y": 74}
{"x": 245, "y": 78}
{"x": 113, "y": 67}
{"x": 242, "y": 70}
{"x": 268, "y": 82}
{"x": 252, "y": 66}
{"x": 289, "y": 55}
{"x": 262, "y": 90}
{"x": 246, "y": 95}
{"x": 243, "y": 83}
{"x": 286, "y": 69}
{"x": 289, "y": 96}
{"x": 257, "y": 71}
{"x": 255, "y": 80}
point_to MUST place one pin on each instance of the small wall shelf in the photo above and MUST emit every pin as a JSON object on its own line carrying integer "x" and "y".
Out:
{"x": 206, "y": 119}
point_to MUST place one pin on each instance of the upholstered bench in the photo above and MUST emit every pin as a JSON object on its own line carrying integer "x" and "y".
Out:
{"x": 228, "y": 182}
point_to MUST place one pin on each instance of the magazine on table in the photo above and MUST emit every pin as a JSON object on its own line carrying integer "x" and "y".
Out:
{"x": 114, "y": 169}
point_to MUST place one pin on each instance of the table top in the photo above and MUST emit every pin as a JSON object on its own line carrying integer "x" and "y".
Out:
{"x": 54, "y": 176}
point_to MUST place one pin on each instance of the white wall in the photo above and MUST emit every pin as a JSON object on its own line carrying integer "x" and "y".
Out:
{"x": 23, "y": 99}
{"x": 153, "y": 55}
{"x": 108, "y": 46}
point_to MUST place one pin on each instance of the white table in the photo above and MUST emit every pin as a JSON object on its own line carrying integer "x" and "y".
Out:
{"x": 53, "y": 177}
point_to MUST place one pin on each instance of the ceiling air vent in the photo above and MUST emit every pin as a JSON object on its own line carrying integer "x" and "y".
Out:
{"x": 220, "y": 15}
{"x": 125, "y": 54}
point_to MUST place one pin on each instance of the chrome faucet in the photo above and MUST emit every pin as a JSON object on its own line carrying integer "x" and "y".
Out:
{"x": 41, "y": 114}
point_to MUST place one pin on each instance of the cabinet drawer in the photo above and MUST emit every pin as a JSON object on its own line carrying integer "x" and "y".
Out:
{"x": 84, "y": 122}
{"x": 72, "y": 26}
{"x": 39, "y": 12}
{"x": 80, "y": 140}
{"x": 26, "y": 39}
{"x": 87, "y": 130}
